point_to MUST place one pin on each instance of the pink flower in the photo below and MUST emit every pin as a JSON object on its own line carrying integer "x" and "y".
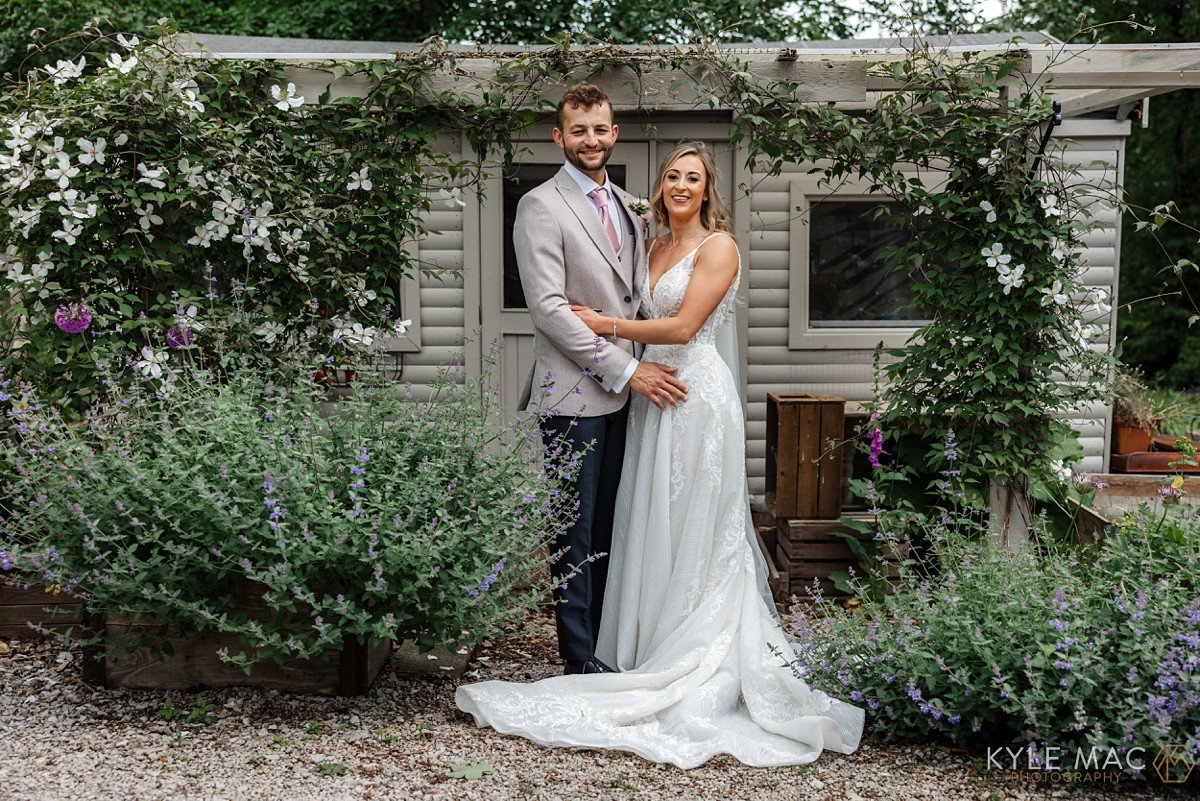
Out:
{"x": 876, "y": 443}
{"x": 74, "y": 318}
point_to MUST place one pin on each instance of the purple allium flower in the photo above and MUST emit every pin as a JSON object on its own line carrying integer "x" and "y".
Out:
{"x": 73, "y": 318}
{"x": 180, "y": 337}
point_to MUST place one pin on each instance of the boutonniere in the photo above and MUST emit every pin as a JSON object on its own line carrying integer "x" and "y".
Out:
{"x": 639, "y": 206}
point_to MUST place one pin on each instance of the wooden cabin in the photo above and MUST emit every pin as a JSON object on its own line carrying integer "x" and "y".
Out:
{"x": 815, "y": 303}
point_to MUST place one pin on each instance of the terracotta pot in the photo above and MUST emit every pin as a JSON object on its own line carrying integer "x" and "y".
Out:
{"x": 1130, "y": 438}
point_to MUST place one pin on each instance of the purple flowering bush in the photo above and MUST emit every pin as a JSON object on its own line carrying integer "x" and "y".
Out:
{"x": 1060, "y": 647}
{"x": 379, "y": 515}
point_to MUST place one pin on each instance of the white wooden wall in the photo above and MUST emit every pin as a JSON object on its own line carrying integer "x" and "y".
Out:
{"x": 767, "y": 241}
{"x": 449, "y": 304}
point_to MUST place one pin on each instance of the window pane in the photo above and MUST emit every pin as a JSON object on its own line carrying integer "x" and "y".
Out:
{"x": 523, "y": 178}
{"x": 848, "y": 281}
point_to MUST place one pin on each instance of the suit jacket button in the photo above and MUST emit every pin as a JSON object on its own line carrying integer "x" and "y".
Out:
{"x": 628, "y": 299}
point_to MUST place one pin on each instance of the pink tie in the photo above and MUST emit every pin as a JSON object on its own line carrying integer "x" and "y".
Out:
{"x": 600, "y": 196}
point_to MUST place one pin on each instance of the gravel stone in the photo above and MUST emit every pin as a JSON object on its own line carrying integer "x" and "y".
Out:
{"x": 60, "y": 739}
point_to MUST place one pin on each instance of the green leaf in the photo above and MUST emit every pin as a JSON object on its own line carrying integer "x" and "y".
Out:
{"x": 470, "y": 772}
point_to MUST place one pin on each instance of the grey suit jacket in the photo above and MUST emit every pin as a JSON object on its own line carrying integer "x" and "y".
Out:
{"x": 565, "y": 257}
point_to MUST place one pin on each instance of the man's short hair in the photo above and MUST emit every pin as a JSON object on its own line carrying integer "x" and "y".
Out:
{"x": 585, "y": 95}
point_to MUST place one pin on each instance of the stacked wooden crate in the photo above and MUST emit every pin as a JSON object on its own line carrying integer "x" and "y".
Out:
{"x": 808, "y": 458}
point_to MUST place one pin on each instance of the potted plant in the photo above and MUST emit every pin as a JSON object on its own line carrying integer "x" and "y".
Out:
{"x": 1137, "y": 412}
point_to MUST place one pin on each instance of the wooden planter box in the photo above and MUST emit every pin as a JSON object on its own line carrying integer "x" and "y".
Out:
{"x": 811, "y": 551}
{"x": 803, "y": 474}
{"x": 194, "y": 663}
{"x": 20, "y": 607}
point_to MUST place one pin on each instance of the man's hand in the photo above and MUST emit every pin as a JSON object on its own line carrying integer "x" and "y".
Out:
{"x": 658, "y": 383}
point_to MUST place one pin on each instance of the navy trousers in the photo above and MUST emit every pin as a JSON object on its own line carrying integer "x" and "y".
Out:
{"x": 578, "y": 605}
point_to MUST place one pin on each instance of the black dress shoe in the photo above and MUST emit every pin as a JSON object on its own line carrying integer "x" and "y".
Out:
{"x": 592, "y": 665}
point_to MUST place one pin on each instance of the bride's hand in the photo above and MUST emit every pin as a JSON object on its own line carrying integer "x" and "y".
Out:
{"x": 592, "y": 319}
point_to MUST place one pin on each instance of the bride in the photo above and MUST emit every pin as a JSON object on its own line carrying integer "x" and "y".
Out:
{"x": 686, "y": 621}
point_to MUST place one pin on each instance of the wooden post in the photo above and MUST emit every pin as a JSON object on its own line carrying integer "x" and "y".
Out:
{"x": 1010, "y": 513}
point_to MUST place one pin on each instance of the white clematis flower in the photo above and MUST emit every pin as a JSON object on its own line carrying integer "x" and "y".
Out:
{"x": 147, "y": 217}
{"x": 64, "y": 71}
{"x": 995, "y": 255}
{"x": 91, "y": 152}
{"x": 62, "y": 172}
{"x": 121, "y": 65}
{"x": 990, "y": 160}
{"x": 359, "y": 180}
{"x": 990, "y": 209}
{"x": 1012, "y": 278}
{"x": 453, "y": 197}
{"x": 1049, "y": 205}
{"x": 69, "y": 232}
{"x": 286, "y": 100}
{"x": 1099, "y": 300}
{"x": 400, "y": 327}
{"x": 129, "y": 43}
{"x": 1054, "y": 294}
{"x": 151, "y": 176}
{"x": 269, "y": 332}
{"x": 152, "y": 362}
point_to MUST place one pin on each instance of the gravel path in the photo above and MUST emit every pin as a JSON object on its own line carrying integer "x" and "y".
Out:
{"x": 60, "y": 739}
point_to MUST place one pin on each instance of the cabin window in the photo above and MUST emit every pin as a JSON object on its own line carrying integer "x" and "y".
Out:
{"x": 850, "y": 279}
{"x": 520, "y": 180}
{"x": 843, "y": 291}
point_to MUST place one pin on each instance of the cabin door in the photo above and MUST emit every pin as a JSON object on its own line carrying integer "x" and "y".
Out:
{"x": 503, "y": 314}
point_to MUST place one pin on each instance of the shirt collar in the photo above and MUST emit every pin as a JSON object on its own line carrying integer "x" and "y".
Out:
{"x": 586, "y": 183}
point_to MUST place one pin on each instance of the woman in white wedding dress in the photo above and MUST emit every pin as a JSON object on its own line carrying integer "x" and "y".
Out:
{"x": 700, "y": 652}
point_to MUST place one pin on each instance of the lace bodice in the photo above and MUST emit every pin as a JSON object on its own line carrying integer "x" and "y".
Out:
{"x": 672, "y": 285}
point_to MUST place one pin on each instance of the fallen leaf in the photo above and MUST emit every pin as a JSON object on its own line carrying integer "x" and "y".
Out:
{"x": 470, "y": 772}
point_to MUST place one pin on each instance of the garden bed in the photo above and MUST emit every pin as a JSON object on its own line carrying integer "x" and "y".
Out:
{"x": 36, "y": 605}
{"x": 191, "y": 662}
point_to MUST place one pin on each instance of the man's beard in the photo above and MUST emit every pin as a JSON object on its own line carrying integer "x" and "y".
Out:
{"x": 577, "y": 162}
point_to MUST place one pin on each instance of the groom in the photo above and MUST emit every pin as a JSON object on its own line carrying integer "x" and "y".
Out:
{"x": 578, "y": 243}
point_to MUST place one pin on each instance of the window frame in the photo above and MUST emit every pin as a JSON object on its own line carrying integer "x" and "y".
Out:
{"x": 802, "y": 192}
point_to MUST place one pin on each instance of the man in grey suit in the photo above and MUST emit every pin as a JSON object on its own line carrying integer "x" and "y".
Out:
{"x": 578, "y": 243}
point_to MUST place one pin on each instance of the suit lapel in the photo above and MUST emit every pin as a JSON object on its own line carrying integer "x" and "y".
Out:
{"x": 582, "y": 208}
{"x": 639, "y": 236}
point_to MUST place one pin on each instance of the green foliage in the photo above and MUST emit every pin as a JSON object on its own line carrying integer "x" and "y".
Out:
{"x": 1062, "y": 647}
{"x": 137, "y": 190}
{"x": 487, "y": 21}
{"x": 242, "y": 501}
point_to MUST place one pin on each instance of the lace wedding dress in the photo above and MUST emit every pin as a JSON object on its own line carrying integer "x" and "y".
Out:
{"x": 701, "y": 654}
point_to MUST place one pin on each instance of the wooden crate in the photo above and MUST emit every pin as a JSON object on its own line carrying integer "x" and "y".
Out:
{"x": 20, "y": 607}
{"x": 811, "y": 551}
{"x": 776, "y": 580}
{"x": 803, "y": 473}
{"x": 194, "y": 663}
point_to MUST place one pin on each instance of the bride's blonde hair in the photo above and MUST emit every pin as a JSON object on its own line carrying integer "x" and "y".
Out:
{"x": 714, "y": 214}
